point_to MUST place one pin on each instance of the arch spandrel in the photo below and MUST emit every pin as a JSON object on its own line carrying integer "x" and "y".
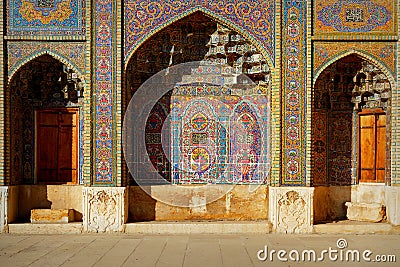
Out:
{"x": 40, "y": 53}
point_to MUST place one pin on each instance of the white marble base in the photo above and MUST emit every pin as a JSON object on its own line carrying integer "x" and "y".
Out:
{"x": 393, "y": 204}
{"x": 291, "y": 209}
{"x": 3, "y": 208}
{"x": 104, "y": 209}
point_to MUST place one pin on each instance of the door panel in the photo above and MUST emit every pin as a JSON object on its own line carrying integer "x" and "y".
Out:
{"x": 380, "y": 148}
{"x": 367, "y": 147}
{"x": 57, "y": 146}
{"x": 372, "y": 150}
{"x": 47, "y": 132}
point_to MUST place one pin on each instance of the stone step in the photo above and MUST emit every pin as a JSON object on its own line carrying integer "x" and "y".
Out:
{"x": 198, "y": 227}
{"x": 353, "y": 227}
{"x": 45, "y": 228}
{"x": 52, "y": 215}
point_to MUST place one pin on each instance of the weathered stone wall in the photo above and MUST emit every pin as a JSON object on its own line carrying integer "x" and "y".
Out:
{"x": 329, "y": 202}
{"x": 48, "y": 196}
{"x": 238, "y": 204}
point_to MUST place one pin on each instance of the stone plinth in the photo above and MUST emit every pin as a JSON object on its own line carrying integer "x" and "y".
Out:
{"x": 52, "y": 215}
{"x": 105, "y": 209}
{"x": 291, "y": 209}
{"x": 365, "y": 212}
{"x": 3, "y": 208}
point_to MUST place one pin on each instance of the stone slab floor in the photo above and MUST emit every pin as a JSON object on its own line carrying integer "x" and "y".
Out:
{"x": 197, "y": 250}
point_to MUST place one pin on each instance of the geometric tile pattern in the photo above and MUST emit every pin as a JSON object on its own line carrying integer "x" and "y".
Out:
{"x": 50, "y": 17}
{"x": 255, "y": 18}
{"x": 294, "y": 82}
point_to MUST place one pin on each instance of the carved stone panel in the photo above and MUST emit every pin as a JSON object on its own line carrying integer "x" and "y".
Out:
{"x": 3, "y": 207}
{"x": 104, "y": 209}
{"x": 291, "y": 209}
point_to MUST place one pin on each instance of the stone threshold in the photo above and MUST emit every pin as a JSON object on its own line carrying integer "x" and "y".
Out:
{"x": 206, "y": 227}
{"x": 354, "y": 227}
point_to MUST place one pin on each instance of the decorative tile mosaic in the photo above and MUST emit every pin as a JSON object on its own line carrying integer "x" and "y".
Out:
{"x": 219, "y": 137}
{"x": 384, "y": 52}
{"x": 21, "y": 52}
{"x": 340, "y": 137}
{"x": 46, "y": 17}
{"x": 105, "y": 83}
{"x": 145, "y": 17}
{"x": 294, "y": 80}
{"x": 319, "y": 149}
{"x": 355, "y": 17}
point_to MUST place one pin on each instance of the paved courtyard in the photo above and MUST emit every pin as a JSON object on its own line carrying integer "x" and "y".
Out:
{"x": 198, "y": 250}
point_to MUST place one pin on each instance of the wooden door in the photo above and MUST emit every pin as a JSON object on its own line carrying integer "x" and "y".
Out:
{"x": 57, "y": 146}
{"x": 372, "y": 146}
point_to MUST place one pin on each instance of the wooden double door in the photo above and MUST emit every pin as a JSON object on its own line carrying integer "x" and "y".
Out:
{"x": 57, "y": 145}
{"x": 372, "y": 145}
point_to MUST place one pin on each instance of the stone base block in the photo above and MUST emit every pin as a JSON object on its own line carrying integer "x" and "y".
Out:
{"x": 291, "y": 209}
{"x": 365, "y": 212}
{"x": 105, "y": 209}
{"x": 52, "y": 216}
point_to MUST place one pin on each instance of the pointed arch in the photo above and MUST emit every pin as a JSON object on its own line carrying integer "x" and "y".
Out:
{"x": 212, "y": 15}
{"x": 40, "y": 53}
{"x": 361, "y": 54}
